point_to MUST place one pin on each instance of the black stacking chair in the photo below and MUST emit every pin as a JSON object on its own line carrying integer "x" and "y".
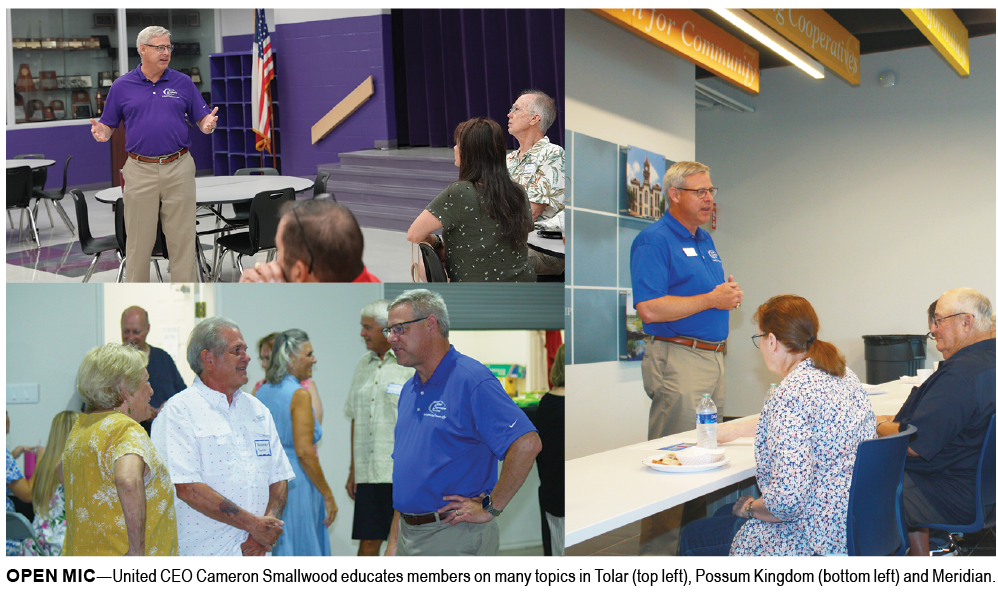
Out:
{"x": 56, "y": 197}
{"x": 432, "y": 265}
{"x": 19, "y": 197}
{"x": 263, "y": 220}
{"x": 321, "y": 181}
{"x": 89, "y": 244}
{"x": 158, "y": 250}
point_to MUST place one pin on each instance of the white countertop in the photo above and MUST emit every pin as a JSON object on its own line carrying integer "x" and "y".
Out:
{"x": 608, "y": 490}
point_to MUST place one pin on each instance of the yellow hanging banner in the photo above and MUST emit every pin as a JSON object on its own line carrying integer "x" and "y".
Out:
{"x": 818, "y": 35}
{"x": 692, "y": 37}
{"x": 946, "y": 32}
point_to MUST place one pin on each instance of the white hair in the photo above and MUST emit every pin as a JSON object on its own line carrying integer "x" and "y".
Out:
{"x": 149, "y": 33}
{"x": 378, "y": 310}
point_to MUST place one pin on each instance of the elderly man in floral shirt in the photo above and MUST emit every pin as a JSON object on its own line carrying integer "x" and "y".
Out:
{"x": 538, "y": 165}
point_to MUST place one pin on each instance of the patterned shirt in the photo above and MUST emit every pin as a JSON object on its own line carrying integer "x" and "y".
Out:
{"x": 14, "y": 547}
{"x": 372, "y": 404}
{"x": 234, "y": 449}
{"x": 541, "y": 172}
{"x": 95, "y": 521}
{"x": 805, "y": 449}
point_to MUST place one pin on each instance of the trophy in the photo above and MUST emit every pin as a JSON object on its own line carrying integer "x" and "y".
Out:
{"x": 196, "y": 75}
{"x": 58, "y": 109}
{"x": 24, "y": 80}
{"x": 49, "y": 81}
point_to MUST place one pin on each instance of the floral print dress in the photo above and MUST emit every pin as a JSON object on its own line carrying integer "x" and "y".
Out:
{"x": 14, "y": 548}
{"x": 805, "y": 449}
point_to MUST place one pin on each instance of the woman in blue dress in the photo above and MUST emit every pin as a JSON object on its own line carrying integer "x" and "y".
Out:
{"x": 310, "y": 508}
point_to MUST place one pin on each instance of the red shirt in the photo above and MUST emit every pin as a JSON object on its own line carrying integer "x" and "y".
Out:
{"x": 365, "y": 276}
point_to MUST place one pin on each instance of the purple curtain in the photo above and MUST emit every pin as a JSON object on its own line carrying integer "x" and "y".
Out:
{"x": 459, "y": 64}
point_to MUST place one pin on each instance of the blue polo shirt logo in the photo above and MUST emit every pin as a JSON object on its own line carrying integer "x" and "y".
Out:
{"x": 171, "y": 94}
{"x": 437, "y": 409}
{"x": 713, "y": 255}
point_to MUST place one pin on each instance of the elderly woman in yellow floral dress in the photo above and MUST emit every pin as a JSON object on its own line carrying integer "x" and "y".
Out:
{"x": 119, "y": 498}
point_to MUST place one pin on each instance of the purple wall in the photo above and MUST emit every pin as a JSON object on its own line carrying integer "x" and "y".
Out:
{"x": 318, "y": 64}
{"x": 91, "y": 160}
{"x": 91, "y": 164}
{"x": 237, "y": 44}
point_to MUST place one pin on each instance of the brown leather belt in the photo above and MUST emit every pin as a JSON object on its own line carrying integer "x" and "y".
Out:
{"x": 421, "y": 519}
{"x": 159, "y": 159}
{"x": 693, "y": 343}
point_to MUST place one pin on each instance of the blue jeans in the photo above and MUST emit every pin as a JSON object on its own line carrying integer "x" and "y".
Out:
{"x": 711, "y": 536}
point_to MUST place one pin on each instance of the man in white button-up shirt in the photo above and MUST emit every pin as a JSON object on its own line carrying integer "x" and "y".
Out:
{"x": 372, "y": 406}
{"x": 223, "y": 452}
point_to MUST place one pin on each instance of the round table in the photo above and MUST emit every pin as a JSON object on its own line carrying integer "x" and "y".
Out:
{"x": 228, "y": 189}
{"x": 31, "y": 163}
{"x": 551, "y": 246}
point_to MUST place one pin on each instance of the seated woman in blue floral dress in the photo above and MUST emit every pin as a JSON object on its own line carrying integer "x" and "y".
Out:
{"x": 806, "y": 439}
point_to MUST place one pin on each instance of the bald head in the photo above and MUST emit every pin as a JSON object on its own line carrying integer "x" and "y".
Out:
{"x": 963, "y": 317}
{"x": 135, "y": 328}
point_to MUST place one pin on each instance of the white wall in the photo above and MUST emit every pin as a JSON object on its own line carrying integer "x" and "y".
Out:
{"x": 868, "y": 201}
{"x": 622, "y": 89}
{"x": 49, "y": 329}
{"x": 238, "y": 22}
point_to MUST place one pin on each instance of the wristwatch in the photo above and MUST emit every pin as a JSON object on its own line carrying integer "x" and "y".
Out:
{"x": 487, "y": 506}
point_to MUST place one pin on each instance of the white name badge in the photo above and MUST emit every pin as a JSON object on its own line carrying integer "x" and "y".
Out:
{"x": 262, "y": 448}
{"x": 528, "y": 169}
{"x": 395, "y": 389}
{"x": 690, "y": 252}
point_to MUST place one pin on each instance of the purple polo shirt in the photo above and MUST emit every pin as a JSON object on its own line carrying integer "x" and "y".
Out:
{"x": 451, "y": 433}
{"x": 153, "y": 112}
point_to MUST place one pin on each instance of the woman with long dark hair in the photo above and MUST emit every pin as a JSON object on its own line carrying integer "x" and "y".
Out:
{"x": 485, "y": 215}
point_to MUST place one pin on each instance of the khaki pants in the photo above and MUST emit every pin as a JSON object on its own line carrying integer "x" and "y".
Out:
{"x": 146, "y": 186}
{"x": 442, "y": 539}
{"x": 676, "y": 378}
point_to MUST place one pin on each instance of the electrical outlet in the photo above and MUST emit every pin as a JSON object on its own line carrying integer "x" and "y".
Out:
{"x": 22, "y": 393}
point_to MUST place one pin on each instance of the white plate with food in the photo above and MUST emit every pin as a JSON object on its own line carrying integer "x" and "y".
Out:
{"x": 669, "y": 463}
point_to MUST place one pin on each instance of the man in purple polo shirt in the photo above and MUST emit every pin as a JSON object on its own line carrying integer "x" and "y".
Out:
{"x": 156, "y": 104}
{"x": 455, "y": 422}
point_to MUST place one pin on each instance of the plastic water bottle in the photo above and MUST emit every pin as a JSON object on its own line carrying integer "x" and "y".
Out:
{"x": 707, "y": 423}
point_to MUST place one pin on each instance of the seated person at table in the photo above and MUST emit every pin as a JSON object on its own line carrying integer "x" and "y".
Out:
{"x": 317, "y": 240}
{"x": 952, "y": 410}
{"x": 805, "y": 446}
{"x": 485, "y": 216}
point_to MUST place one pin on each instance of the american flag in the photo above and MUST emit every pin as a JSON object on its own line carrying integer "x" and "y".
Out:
{"x": 263, "y": 73}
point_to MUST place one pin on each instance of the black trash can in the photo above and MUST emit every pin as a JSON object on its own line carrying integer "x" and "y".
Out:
{"x": 888, "y": 357}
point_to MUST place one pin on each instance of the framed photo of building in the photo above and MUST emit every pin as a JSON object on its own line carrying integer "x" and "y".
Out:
{"x": 645, "y": 195}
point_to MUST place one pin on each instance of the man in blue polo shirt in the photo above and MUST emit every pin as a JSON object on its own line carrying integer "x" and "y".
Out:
{"x": 952, "y": 410}
{"x": 455, "y": 423}
{"x": 683, "y": 300}
{"x": 156, "y": 104}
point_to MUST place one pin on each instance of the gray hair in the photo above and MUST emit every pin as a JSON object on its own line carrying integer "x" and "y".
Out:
{"x": 286, "y": 345}
{"x": 207, "y": 336}
{"x": 378, "y": 310}
{"x": 107, "y": 369}
{"x": 425, "y": 303}
{"x": 971, "y": 301}
{"x": 544, "y": 105}
{"x": 149, "y": 33}
{"x": 676, "y": 176}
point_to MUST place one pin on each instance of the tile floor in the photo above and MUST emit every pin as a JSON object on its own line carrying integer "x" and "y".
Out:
{"x": 386, "y": 253}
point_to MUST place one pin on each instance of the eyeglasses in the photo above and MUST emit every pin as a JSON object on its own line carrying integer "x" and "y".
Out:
{"x": 939, "y": 321}
{"x": 515, "y": 109}
{"x": 160, "y": 49}
{"x": 701, "y": 192}
{"x": 294, "y": 211}
{"x": 755, "y": 339}
{"x": 398, "y": 329}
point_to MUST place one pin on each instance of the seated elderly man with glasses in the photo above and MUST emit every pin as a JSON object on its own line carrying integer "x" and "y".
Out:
{"x": 952, "y": 410}
{"x": 318, "y": 240}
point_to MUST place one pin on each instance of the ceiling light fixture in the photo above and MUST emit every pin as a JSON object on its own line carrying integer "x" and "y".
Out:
{"x": 778, "y": 44}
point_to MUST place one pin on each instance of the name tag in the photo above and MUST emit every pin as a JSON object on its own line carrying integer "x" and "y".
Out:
{"x": 395, "y": 389}
{"x": 690, "y": 251}
{"x": 528, "y": 169}
{"x": 262, "y": 448}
